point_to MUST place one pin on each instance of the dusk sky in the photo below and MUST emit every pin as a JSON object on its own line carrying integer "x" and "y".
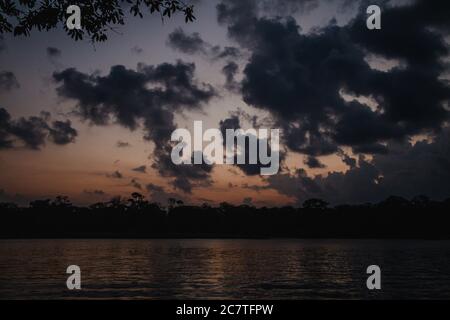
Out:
{"x": 363, "y": 113}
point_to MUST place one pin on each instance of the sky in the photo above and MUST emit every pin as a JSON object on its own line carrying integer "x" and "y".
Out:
{"x": 363, "y": 113}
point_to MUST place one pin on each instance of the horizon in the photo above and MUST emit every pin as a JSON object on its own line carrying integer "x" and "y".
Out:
{"x": 418, "y": 200}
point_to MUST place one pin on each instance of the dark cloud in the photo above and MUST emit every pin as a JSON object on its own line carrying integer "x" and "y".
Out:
{"x": 407, "y": 170}
{"x": 154, "y": 188}
{"x": 62, "y": 132}
{"x": 141, "y": 169}
{"x": 115, "y": 175}
{"x": 53, "y": 52}
{"x": 186, "y": 176}
{"x": 226, "y": 53}
{"x": 137, "y": 50}
{"x": 299, "y": 77}
{"x": 239, "y": 16}
{"x": 123, "y": 144}
{"x": 135, "y": 184}
{"x": 34, "y": 131}
{"x": 285, "y": 7}
{"x": 313, "y": 163}
{"x": 54, "y": 55}
{"x": 349, "y": 161}
{"x": 233, "y": 122}
{"x": 193, "y": 44}
{"x": 190, "y": 44}
{"x": 47, "y": 116}
{"x": 95, "y": 192}
{"x": 2, "y": 44}
{"x": 149, "y": 95}
{"x": 406, "y": 32}
{"x": 230, "y": 70}
{"x": 371, "y": 148}
{"x": 5, "y": 138}
{"x": 160, "y": 195}
{"x": 8, "y": 81}
{"x": 125, "y": 95}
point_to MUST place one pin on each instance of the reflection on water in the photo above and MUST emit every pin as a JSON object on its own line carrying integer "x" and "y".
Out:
{"x": 224, "y": 269}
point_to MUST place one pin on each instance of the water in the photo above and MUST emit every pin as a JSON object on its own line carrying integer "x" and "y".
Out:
{"x": 224, "y": 269}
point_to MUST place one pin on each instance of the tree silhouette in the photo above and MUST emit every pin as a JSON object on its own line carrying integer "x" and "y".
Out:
{"x": 420, "y": 201}
{"x": 394, "y": 202}
{"x": 135, "y": 217}
{"x": 40, "y": 204}
{"x": 98, "y": 17}
{"x": 315, "y": 204}
{"x": 61, "y": 202}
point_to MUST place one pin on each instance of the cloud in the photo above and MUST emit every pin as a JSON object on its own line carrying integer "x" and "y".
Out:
{"x": 54, "y": 55}
{"x": 256, "y": 188}
{"x": 33, "y": 132}
{"x": 62, "y": 132}
{"x": 135, "y": 184}
{"x": 5, "y": 139}
{"x": 154, "y": 188}
{"x": 160, "y": 195}
{"x": 123, "y": 144}
{"x": 96, "y": 192}
{"x": 2, "y": 44}
{"x": 313, "y": 162}
{"x": 53, "y": 52}
{"x": 115, "y": 175}
{"x": 349, "y": 161}
{"x": 407, "y": 32}
{"x": 407, "y": 170}
{"x": 186, "y": 176}
{"x": 149, "y": 95}
{"x": 233, "y": 122}
{"x": 137, "y": 50}
{"x": 193, "y": 44}
{"x": 284, "y": 7}
{"x": 8, "y": 81}
{"x": 229, "y": 53}
{"x": 190, "y": 44}
{"x": 299, "y": 77}
{"x": 141, "y": 169}
{"x": 230, "y": 70}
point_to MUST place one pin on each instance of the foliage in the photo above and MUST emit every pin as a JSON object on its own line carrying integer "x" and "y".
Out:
{"x": 97, "y": 19}
{"x": 135, "y": 217}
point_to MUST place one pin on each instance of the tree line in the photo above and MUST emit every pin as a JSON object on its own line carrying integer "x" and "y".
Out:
{"x": 395, "y": 217}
